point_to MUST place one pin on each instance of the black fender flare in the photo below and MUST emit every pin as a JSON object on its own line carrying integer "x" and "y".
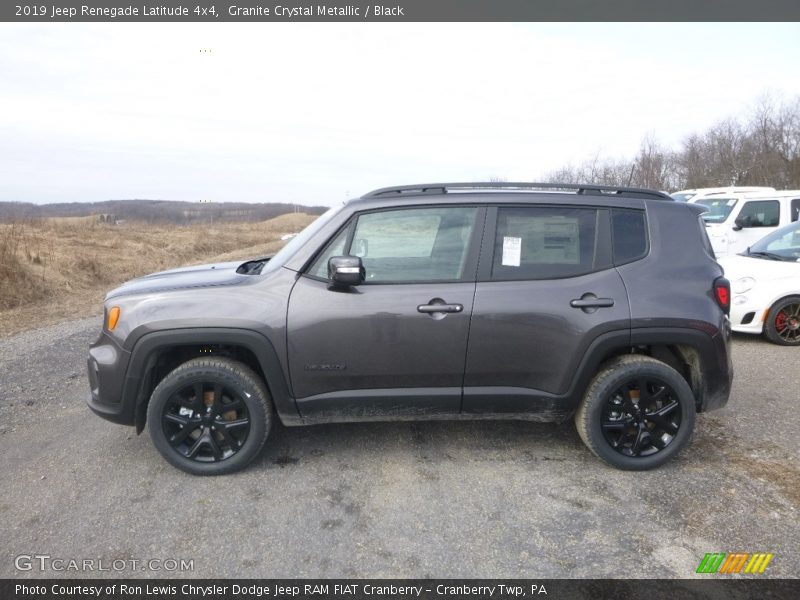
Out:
{"x": 145, "y": 351}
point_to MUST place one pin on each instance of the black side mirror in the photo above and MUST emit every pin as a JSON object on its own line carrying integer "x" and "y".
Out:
{"x": 740, "y": 223}
{"x": 345, "y": 271}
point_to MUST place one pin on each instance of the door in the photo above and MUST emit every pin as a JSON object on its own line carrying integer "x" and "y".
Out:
{"x": 757, "y": 219}
{"x": 546, "y": 289}
{"x": 394, "y": 345}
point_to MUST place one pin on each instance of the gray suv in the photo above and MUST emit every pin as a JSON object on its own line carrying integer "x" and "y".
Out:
{"x": 441, "y": 301}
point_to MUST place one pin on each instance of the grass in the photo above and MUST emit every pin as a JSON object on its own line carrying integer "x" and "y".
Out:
{"x": 58, "y": 269}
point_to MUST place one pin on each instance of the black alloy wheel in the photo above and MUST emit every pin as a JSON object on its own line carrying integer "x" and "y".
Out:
{"x": 206, "y": 422}
{"x": 641, "y": 417}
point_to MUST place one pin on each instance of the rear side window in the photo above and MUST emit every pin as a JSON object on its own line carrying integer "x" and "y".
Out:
{"x": 795, "y": 209}
{"x": 628, "y": 234}
{"x": 760, "y": 213}
{"x": 544, "y": 242}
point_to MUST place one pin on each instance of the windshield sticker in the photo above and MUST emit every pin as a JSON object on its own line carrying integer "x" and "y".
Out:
{"x": 512, "y": 250}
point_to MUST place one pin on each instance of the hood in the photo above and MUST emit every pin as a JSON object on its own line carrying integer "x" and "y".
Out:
{"x": 211, "y": 275}
{"x": 737, "y": 266}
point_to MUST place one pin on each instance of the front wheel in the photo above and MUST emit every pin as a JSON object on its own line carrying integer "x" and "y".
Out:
{"x": 210, "y": 416}
{"x": 637, "y": 413}
{"x": 782, "y": 325}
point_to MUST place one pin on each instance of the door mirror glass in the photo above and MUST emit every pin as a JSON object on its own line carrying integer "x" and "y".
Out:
{"x": 345, "y": 271}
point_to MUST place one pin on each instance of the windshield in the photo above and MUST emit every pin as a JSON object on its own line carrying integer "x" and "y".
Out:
{"x": 300, "y": 239}
{"x": 783, "y": 243}
{"x": 684, "y": 197}
{"x": 718, "y": 209}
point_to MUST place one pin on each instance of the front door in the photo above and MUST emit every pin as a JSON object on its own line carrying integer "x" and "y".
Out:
{"x": 394, "y": 345}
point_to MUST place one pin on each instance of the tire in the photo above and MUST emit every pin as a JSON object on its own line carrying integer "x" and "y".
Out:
{"x": 615, "y": 416}
{"x": 210, "y": 416}
{"x": 782, "y": 325}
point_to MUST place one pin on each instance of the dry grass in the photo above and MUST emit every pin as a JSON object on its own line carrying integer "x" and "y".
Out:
{"x": 57, "y": 269}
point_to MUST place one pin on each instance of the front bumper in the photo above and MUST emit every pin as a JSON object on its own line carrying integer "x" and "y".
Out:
{"x": 107, "y": 364}
{"x": 747, "y": 312}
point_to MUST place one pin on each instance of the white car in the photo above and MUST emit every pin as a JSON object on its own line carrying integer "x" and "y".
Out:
{"x": 736, "y": 222}
{"x": 765, "y": 283}
{"x": 696, "y": 194}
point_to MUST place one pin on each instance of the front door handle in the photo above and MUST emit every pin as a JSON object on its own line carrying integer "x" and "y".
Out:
{"x": 592, "y": 303}
{"x": 440, "y": 308}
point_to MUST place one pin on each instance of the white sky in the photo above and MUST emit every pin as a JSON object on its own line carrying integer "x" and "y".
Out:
{"x": 314, "y": 113}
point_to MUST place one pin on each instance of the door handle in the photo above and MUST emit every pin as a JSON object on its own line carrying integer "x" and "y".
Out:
{"x": 440, "y": 308}
{"x": 592, "y": 303}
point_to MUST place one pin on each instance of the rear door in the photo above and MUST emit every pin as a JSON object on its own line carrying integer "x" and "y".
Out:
{"x": 546, "y": 288}
{"x": 396, "y": 344}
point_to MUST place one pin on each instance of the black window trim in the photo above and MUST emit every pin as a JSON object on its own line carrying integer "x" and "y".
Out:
{"x": 473, "y": 244}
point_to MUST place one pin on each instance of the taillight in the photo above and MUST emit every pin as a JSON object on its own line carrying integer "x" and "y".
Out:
{"x": 722, "y": 293}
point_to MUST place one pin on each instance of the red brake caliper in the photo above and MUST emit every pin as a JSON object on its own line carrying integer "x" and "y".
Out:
{"x": 780, "y": 321}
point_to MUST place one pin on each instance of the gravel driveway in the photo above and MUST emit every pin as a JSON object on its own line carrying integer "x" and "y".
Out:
{"x": 471, "y": 499}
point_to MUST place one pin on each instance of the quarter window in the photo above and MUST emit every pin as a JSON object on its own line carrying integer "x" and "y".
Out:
{"x": 544, "y": 242}
{"x": 629, "y": 235}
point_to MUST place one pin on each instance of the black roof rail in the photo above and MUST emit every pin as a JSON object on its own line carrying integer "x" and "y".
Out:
{"x": 443, "y": 188}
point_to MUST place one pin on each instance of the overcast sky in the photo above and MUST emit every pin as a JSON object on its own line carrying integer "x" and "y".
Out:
{"x": 314, "y": 113}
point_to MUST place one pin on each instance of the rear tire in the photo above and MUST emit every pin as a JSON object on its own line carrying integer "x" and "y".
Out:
{"x": 783, "y": 322}
{"x": 637, "y": 413}
{"x": 210, "y": 416}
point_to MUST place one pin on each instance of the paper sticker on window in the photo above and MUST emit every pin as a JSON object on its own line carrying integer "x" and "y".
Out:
{"x": 512, "y": 249}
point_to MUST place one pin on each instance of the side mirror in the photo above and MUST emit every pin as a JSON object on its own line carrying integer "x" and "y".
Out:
{"x": 740, "y": 223}
{"x": 345, "y": 271}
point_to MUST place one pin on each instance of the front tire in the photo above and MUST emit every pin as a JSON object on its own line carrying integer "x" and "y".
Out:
{"x": 783, "y": 322}
{"x": 637, "y": 413}
{"x": 210, "y": 416}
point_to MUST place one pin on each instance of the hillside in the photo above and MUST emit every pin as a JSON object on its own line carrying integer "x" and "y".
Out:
{"x": 153, "y": 211}
{"x": 59, "y": 268}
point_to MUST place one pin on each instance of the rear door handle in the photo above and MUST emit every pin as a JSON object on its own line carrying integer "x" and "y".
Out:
{"x": 440, "y": 308}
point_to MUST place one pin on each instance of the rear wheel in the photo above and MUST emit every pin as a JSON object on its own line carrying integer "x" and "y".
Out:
{"x": 782, "y": 325}
{"x": 210, "y": 416}
{"x": 637, "y": 413}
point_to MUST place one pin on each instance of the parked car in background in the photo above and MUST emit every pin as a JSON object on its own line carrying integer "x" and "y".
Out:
{"x": 736, "y": 222}
{"x": 694, "y": 195}
{"x": 765, "y": 281}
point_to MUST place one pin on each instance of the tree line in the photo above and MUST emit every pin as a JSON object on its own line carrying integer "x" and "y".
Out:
{"x": 761, "y": 148}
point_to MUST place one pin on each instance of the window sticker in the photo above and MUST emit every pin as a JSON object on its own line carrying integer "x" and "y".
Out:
{"x": 512, "y": 250}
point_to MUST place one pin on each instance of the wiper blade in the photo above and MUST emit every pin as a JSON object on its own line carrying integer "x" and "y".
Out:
{"x": 770, "y": 255}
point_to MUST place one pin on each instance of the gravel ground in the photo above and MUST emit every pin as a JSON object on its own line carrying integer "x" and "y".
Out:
{"x": 470, "y": 499}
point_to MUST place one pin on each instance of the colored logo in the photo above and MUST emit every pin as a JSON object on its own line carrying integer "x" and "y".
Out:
{"x": 737, "y": 562}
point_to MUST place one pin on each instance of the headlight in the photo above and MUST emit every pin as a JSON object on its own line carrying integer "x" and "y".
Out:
{"x": 742, "y": 285}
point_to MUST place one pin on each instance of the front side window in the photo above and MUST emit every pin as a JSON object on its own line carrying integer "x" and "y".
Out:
{"x": 795, "y": 208}
{"x": 544, "y": 242}
{"x": 761, "y": 213}
{"x": 408, "y": 245}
